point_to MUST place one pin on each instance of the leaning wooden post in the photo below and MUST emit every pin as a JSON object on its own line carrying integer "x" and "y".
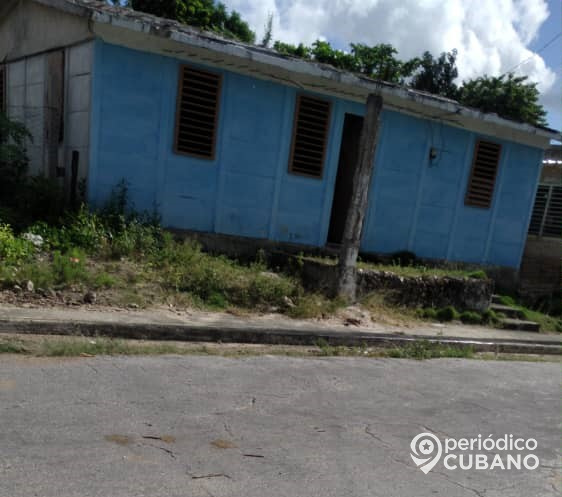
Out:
{"x": 346, "y": 284}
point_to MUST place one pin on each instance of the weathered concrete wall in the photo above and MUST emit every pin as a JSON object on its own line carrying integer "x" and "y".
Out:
{"x": 29, "y": 28}
{"x": 551, "y": 175}
{"x": 27, "y": 103}
{"x": 423, "y": 291}
{"x": 541, "y": 269}
{"x": 429, "y": 291}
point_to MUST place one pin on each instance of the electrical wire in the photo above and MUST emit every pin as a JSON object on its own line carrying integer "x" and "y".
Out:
{"x": 545, "y": 46}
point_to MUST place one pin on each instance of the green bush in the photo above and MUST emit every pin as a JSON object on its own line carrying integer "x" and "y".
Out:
{"x": 139, "y": 239}
{"x": 13, "y": 250}
{"x": 103, "y": 280}
{"x": 505, "y": 300}
{"x": 490, "y": 317}
{"x": 70, "y": 267}
{"x": 471, "y": 317}
{"x": 428, "y": 313}
{"x": 448, "y": 313}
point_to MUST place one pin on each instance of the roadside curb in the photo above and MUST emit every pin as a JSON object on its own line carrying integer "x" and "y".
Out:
{"x": 263, "y": 335}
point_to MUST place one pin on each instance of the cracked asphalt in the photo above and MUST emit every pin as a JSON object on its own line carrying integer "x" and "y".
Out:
{"x": 266, "y": 426}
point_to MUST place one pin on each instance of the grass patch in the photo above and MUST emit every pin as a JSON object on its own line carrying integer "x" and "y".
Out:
{"x": 12, "y": 346}
{"x": 423, "y": 349}
{"x": 546, "y": 322}
{"x": 101, "y": 346}
{"x": 417, "y": 270}
{"x": 315, "y": 306}
{"x": 61, "y": 347}
{"x": 385, "y": 312}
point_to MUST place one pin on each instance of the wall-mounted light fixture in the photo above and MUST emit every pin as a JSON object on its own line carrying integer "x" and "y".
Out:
{"x": 432, "y": 153}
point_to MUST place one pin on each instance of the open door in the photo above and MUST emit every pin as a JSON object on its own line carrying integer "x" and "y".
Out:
{"x": 349, "y": 154}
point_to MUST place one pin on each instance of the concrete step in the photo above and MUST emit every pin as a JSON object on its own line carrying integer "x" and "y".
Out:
{"x": 508, "y": 311}
{"x": 496, "y": 299}
{"x": 519, "y": 324}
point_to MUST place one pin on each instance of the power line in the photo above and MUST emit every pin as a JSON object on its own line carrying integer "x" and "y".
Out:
{"x": 545, "y": 46}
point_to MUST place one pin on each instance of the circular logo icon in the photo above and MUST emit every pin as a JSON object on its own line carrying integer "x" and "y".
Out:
{"x": 426, "y": 451}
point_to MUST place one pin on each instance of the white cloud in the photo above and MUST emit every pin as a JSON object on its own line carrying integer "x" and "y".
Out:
{"x": 491, "y": 36}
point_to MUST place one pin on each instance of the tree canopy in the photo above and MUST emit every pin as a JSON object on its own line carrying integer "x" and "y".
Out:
{"x": 512, "y": 97}
{"x": 205, "y": 14}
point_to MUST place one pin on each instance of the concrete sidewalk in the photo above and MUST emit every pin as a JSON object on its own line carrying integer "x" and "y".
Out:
{"x": 162, "y": 324}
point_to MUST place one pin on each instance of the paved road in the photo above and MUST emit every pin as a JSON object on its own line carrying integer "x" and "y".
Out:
{"x": 266, "y": 426}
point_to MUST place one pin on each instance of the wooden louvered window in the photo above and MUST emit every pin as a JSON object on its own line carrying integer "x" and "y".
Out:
{"x": 310, "y": 134}
{"x": 197, "y": 112}
{"x": 483, "y": 175}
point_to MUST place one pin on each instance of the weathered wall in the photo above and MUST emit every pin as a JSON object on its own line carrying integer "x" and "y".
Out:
{"x": 29, "y": 28}
{"x": 246, "y": 190}
{"x": 27, "y": 103}
{"x": 423, "y": 291}
{"x": 415, "y": 204}
{"x": 541, "y": 268}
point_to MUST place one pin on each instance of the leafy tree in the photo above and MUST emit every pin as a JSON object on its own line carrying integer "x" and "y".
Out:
{"x": 512, "y": 97}
{"x": 323, "y": 52}
{"x": 204, "y": 14}
{"x": 299, "y": 50}
{"x": 437, "y": 75}
{"x": 380, "y": 62}
{"x": 268, "y": 34}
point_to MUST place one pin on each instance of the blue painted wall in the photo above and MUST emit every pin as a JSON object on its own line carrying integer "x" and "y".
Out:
{"x": 415, "y": 204}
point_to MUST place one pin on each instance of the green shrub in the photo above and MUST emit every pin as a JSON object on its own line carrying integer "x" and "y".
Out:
{"x": 13, "y": 250}
{"x": 137, "y": 239}
{"x": 428, "y": 313}
{"x": 505, "y": 300}
{"x": 448, "y": 313}
{"x": 470, "y": 317}
{"x": 490, "y": 317}
{"x": 70, "y": 267}
{"x": 103, "y": 280}
{"x": 40, "y": 273}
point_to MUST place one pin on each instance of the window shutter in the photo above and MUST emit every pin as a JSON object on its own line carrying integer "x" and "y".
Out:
{"x": 483, "y": 175}
{"x": 310, "y": 134}
{"x": 197, "y": 112}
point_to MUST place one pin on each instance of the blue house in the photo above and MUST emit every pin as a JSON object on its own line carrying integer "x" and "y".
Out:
{"x": 227, "y": 138}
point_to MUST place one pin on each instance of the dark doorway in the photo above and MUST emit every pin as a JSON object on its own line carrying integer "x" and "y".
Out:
{"x": 349, "y": 154}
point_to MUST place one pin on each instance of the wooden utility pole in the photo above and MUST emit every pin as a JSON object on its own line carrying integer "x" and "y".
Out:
{"x": 359, "y": 198}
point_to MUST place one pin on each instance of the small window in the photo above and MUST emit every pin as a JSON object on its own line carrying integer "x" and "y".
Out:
{"x": 2, "y": 89}
{"x": 196, "y": 113}
{"x": 310, "y": 134}
{"x": 483, "y": 176}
